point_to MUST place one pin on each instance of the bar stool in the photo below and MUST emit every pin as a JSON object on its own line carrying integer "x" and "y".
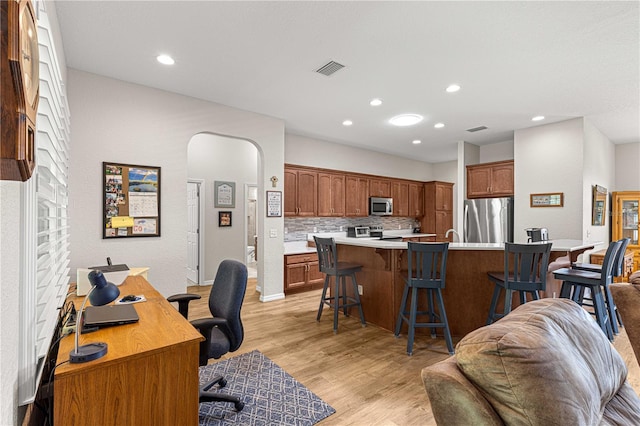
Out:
{"x": 576, "y": 280}
{"x": 528, "y": 275}
{"x": 427, "y": 267}
{"x": 618, "y": 269}
{"x": 331, "y": 267}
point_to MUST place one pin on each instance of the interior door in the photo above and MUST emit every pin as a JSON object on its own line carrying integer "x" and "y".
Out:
{"x": 193, "y": 231}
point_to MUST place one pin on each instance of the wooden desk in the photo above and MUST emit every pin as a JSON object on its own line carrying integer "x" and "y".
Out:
{"x": 148, "y": 376}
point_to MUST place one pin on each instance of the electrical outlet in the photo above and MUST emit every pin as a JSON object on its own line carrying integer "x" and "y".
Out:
{"x": 341, "y": 229}
{"x": 273, "y": 233}
{"x": 359, "y": 289}
{"x": 315, "y": 229}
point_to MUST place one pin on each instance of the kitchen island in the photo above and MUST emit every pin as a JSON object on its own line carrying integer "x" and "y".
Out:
{"x": 468, "y": 291}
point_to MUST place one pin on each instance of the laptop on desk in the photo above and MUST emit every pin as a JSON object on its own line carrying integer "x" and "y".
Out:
{"x": 109, "y": 315}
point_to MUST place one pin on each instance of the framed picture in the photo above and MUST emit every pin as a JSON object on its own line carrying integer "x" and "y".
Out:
{"x": 599, "y": 205}
{"x": 554, "y": 199}
{"x": 131, "y": 200}
{"x": 274, "y": 203}
{"x": 224, "y": 194}
{"x": 224, "y": 219}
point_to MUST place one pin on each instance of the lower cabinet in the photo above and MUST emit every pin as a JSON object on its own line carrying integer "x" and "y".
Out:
{"x": 418, "y": 239}
{"x": 302, "y": 273}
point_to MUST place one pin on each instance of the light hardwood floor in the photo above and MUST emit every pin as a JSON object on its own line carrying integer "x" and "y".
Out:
{"x": 364, "y": 373}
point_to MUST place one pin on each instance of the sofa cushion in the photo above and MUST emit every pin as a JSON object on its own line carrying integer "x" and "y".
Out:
{"x": 547, "y": 362}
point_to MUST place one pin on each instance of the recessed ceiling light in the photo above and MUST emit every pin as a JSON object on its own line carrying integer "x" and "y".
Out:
{"x": 538, "y": 118}
{"x": 405, "y": 119}
{"x": 438, "y": 125}
{"x": 375, "y": 102}
{"x": 417, "y": 142}
{"x": 453, "y": 88}
{"x": 165, "y": 59}
{"x": 347, "y": 123}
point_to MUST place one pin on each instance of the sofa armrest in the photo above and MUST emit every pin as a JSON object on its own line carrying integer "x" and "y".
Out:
{"x": 454, "y": 399}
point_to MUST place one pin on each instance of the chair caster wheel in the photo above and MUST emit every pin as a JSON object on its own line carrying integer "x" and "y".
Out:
{"x": 222, "y": 383}
{"x": 239, "y": 406}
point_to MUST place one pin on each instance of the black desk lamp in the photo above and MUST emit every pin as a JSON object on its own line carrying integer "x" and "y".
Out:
{"x": 101, "y": 293}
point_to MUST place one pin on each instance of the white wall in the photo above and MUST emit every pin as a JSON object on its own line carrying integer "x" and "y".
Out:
{"x": 10, "y": 250}
{"x": 627, "y": 167}
{"x": 550, "y": 158}
{"x": 305, "y": 151}
{"x": 127, "y": 123}
{"x": 499, "y": 151}
{"x": 216, "y": 158}
{"x": 598, "y": 169}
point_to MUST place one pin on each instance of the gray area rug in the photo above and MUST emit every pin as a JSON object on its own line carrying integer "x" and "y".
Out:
{"x": 271, "y": 396}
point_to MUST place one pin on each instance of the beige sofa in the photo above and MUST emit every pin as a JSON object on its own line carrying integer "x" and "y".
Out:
{"x": 627, "y": 298}
{"x": 546, "y": 363}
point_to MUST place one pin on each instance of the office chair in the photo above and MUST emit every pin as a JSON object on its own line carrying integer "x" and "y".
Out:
{"x": 224, "y": 332}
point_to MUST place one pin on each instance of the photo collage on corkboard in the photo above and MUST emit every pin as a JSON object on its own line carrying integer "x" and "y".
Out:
{"x": 131, "y": 201}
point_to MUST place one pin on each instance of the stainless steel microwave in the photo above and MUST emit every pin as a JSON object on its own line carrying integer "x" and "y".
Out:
{"x": 380, "y": 206}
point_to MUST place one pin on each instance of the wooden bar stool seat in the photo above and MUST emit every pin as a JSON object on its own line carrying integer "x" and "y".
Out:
{"x": 427, "y": 267}
{"x": 575, "y": 281}
{"x": 331, "y": 267}
{"x": 525, "y": 271}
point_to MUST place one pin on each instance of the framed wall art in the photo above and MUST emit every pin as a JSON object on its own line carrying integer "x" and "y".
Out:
{"x": 131, "y": 200}
{"x": 224, "y": 219}
{"x": 274, "y": 203}
{"x": 224, "y": 194}
{"x": 554, "y": 199}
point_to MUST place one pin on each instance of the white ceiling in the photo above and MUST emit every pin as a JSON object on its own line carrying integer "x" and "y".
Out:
{"x": 514, "y": 60}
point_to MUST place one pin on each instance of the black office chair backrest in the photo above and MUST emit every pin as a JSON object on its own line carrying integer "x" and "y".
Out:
{"x": 427, "y": 264}
{"x": 327, "y": 255}
{"x": 609, "y": 262}
{"x": 225, "y": 299}
{"x": 525, "y": 265}
{"x": 618, "y": 268}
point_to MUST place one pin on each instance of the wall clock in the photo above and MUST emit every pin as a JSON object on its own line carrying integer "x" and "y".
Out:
{"x": 19, "y": 89}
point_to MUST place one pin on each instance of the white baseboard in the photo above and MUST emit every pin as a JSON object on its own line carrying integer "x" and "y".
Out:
{"x": 272, "y": 297}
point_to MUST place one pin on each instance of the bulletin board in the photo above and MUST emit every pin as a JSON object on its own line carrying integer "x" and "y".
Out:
{"x": 131, "y": 201}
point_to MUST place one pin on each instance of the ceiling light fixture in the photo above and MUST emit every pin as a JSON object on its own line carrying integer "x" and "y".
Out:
{"x": 538, "y": 118}
{"x": 347, "y": 123}
{"x": 375, "y": 102}
{"x": 438, "y": 125}
{"x": 453, "y": 88}
{"x": 165, "y": 59}
{"x": 417, "y": 142}
{"x": 405, "y": 120}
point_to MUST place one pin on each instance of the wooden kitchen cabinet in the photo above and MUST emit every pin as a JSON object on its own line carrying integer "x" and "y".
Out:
{"x": 331, "y": 192}
{"x": 400, "y": 195}
{"x": 416, "y": 199}
{"x": 300, "y": 192}
{"x": 624, "y": 221}
{"x": 490, "y": 180}
{"x": 302, "y": 273}
{"x": 356, "y": 196}
{"x": 438, "y": 209}
{"x": 380, "y": 187}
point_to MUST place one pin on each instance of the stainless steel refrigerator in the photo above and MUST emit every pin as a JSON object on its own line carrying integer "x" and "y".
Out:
{"x": 488, "y": 220}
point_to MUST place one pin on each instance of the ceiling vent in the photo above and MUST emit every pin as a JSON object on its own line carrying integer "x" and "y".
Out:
{"x": 329, "y": 68}
{"x": 477, "y": 129}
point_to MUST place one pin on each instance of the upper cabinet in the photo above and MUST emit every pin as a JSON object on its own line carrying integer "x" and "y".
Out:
{"x": 331, "y": 194}
{"x": 356, "y": 196}
{"x": 379, "y": 187}
{"x": 400, "y": 195}
{"x": 416, "y": 199}
{"x": 490, "y": 180}
{"x": 300, "y": 192}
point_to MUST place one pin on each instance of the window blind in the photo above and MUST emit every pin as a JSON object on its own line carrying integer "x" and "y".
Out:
{"x": 45, "y": 229}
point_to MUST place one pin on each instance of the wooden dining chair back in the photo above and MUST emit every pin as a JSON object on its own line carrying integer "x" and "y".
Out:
{"x": 525, "y": 271}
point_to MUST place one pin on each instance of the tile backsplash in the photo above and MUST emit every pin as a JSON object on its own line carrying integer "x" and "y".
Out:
{"x": 296, "y": 229}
